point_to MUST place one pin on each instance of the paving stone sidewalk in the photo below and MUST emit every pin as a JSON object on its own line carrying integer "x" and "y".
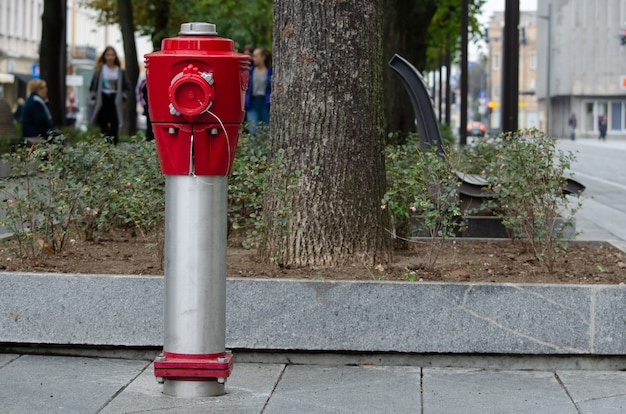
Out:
{"x": 57, "y": 384}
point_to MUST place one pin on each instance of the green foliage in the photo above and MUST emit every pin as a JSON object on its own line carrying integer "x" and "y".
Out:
{"x": 472, "y": 159}
{"x": 527, "y": 176}
{"x": 524, "y": 171}
{"x": 252, "y": 176}
{"x": 247, "y": 185}
{"x": 447, "y": 136}
{"x": 57, "y": 191}
{"x": 8, "y": 144}
{"x": 444, "y": 31}
{"x": 283, "y": 183}
{"x": 421, "y": 193}
{"x": 246, "y": 22}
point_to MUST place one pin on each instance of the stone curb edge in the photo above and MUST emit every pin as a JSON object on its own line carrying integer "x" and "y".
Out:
{"x": 340, "y": 316}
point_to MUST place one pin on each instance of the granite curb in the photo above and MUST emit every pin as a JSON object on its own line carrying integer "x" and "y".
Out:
{"x": 305, "y": 315}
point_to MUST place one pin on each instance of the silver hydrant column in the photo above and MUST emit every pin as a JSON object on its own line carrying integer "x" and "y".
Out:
{"x": 195, "y": 277}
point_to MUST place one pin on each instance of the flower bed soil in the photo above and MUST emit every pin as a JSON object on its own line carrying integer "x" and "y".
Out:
{"x": 491, "y": 261}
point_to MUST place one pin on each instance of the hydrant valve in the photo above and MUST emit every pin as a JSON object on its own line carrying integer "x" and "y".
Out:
{"x": 191, "y": 92}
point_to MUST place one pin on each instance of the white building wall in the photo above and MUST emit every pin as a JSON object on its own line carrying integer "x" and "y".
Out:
{"x": 587, "y": 62}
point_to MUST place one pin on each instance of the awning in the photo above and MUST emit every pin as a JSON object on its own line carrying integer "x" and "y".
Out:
{"x": 23, "y": 77}
{"x": 6, "y": 78}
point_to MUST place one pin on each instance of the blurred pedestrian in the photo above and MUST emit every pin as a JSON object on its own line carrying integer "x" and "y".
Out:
{"x": 71, "y": 107}
{"x": 141, "y": 93}
{"x": 248, "y": 50}
{"x": 17, "y": 111}
{"x": 109, "y": 88}
{"x": 572, "y": 125}
{"x": 259, "y": 90}
{"x": 602, "y": 127}
{"x": 36, "y": 117}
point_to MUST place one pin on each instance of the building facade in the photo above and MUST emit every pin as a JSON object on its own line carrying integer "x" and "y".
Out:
{"x": 582, "y": 65}
{"x": 529, "y": 114}
{"x": 20, "y": 34}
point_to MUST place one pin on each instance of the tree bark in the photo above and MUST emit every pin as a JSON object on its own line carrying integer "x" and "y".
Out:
{"x": 127, "y": 27}
{"x": 53, "y": 56}
{"x": 327, "y": 107}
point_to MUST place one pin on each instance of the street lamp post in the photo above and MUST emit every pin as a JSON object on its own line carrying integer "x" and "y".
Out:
{"x": 548, "y": 18}
{"x": 510, "y": 72}
{"x": 464, "y": 74}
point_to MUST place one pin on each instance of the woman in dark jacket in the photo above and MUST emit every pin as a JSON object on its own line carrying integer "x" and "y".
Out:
{"x": 36, "y": 117}
{"x": 109, "y": 89}
{"x": 259, "y": 90}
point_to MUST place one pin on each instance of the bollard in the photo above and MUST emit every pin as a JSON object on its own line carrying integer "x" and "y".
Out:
{"x": 196, "y": 92}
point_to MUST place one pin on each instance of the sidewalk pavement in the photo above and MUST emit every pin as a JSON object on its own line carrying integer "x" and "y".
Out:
{"x": 61, "y": 384}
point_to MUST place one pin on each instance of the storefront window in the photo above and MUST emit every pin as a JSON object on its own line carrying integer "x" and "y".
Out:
{"x": 588, "y": 124}
{"x": 616, "y": 116}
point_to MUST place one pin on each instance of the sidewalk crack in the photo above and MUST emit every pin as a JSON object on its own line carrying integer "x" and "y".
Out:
{"x": 558, "y": 379}
{"x": 282, "y": 372}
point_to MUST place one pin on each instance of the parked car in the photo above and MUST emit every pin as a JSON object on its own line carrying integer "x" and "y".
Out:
{"x": 476, "y": 129}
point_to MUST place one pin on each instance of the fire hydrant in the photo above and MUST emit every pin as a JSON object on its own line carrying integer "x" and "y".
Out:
{"x": 196, "y": 94}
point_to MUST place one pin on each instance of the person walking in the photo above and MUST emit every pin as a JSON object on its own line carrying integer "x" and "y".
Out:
{"x": 602, "y": 127}
{"x": 259, "y": 90}
{"x": 572, "y": 125}
{"x": 71, "y": 107}
{"x": 248, "y": 50}
{"x": 36, "y": 117}
{"x": 108, "y": 89}
{"x": 141, "y": 93}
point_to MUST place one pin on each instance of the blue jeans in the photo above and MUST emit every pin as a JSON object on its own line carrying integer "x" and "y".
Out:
{"x": 258, "y": 112}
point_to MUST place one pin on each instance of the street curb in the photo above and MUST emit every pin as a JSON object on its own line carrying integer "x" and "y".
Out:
{"x": 306, "y": 315}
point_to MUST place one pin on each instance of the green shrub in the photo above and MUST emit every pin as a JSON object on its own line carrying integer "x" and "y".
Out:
{"x": 447, "y": 136}
{"x": 527, "y": 175}
{"x": 83, "y": 190}
{"x": 251, "y": 177}
{"x": 421, "y": 195}
{"x": 246, "y": 186}
{"x": 86, "y": 187}
{"x": 524, "y": 171}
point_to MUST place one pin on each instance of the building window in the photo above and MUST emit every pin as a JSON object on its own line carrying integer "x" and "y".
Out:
{"x": 616, "y": 116}
{"x": 533, "y": 61}
{"x": 496, "y": 62}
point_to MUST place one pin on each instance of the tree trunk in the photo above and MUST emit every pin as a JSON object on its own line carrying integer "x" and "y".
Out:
{"x": 53, "y": 56}
{"x": 327, "y": 107}
{"x": 127, "y": 27}
{"x": 160, "y": 27}
{"x": 405, "y": 30}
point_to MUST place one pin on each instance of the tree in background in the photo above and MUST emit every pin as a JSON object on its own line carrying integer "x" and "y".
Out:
{"x": 132, "y": 66}
{"x": 246, "y": 22}
{"x": 53, "y": 56}
{"x": 419, "y": 30}
{"x": 327, "y": 112}
{"x": 405, "y": 30}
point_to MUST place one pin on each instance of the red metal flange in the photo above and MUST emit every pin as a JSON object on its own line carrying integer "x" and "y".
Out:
{"x": 194, "y": 367}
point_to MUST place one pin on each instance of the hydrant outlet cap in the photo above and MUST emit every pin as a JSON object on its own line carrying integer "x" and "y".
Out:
{"x": 198, "y": 29}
